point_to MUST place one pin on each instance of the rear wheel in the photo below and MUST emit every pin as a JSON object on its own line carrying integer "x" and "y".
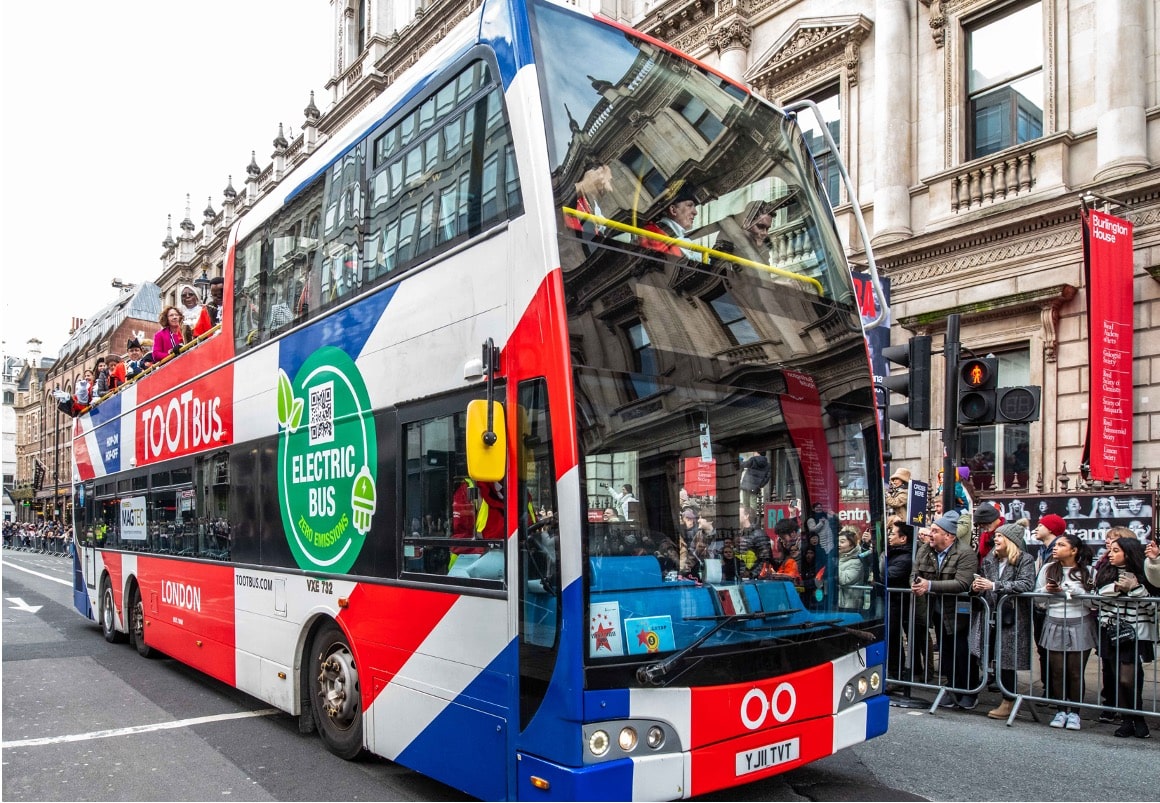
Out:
{"x": 137, "y": 625}
{"x": 109, "y": 614}
{"x": 336, "y": 697}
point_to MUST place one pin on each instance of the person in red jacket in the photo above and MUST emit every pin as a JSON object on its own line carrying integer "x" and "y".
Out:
{"x": 676, "y": 221}
{"x": 477, "y": 512}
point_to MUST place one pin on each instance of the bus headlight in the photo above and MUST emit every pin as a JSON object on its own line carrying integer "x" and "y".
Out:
{"x": 627, "y": 740}
{"x": 863, "y": 686}
{"x": 875, "y": 680}
{"x": 598, "y": 743}
{"x": 655, "y": 737}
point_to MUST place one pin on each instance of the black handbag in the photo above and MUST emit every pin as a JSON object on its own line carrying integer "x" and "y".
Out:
{"x": 1121, "y": 633}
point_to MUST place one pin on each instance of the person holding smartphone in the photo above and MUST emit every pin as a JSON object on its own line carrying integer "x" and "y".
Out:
{"x": 1069, "y": 632}
{"x": 943, "y": 569}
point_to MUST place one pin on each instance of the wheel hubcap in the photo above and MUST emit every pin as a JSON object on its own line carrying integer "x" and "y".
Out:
{"x": 338, "y": 687}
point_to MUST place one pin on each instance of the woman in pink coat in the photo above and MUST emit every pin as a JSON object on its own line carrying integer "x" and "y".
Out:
{"x": 173, "y": 334}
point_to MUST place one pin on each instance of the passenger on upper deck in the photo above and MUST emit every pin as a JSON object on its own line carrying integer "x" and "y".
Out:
{"x": 189, "y": 307}
{"x": 135, "y": 364}
{"x": 172, "y": 335}
{"x": 678, "y": 217}
{"x": 211, "y": 313}
{"x": 746, "y": 234}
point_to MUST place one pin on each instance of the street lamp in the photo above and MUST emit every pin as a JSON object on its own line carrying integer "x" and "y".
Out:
{"x": 203, "y": 284}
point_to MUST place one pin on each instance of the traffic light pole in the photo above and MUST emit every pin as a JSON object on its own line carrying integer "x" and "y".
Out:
{"x": 950, "y": 435}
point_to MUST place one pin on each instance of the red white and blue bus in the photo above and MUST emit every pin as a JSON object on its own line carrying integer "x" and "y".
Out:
{"x": 487, "y": 459}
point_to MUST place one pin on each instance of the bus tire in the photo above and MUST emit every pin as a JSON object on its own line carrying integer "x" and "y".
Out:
{"x": 108, "y": 614}
{"x": 137, "y": 624}
{"x": 336, "y": 696}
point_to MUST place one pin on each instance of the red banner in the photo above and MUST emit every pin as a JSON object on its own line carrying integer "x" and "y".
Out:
{"x": 700, "y": 477}
{"x": 198, "y": 416}
{"x": 1109, "y": 291}
{"x": 802, "y": 409}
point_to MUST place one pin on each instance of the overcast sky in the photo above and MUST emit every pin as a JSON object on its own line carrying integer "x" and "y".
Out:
{"x": 112, "y": 112}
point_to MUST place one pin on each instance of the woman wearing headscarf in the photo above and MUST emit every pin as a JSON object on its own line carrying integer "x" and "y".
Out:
{"x": 1006, "y": 570}
{"x": 188, "y": 305}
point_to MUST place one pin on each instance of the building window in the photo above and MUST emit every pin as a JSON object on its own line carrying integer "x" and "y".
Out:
{"x": 998, "y": 455}
{"x": 732, "y": 317}
{"x": 699, "y": 116}
{"x": 1005, "y": 80}
{"x": 644, "y": 361}
{"x": 829, "y": 104}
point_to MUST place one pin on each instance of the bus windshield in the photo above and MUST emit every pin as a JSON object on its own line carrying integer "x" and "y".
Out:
{"x": 725, "y": 410}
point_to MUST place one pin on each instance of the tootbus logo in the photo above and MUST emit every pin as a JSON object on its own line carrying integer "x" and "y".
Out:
{"x": 780, "y": 703}
{"x": 327, "y": 458}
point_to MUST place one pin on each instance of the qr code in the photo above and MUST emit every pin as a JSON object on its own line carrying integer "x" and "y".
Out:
{"x": 322, "y": 413}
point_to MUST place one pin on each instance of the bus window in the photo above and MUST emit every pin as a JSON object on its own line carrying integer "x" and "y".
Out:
{"x": 453, "y": 526}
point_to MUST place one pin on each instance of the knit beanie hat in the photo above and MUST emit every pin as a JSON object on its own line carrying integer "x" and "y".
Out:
{"x": 1054, "y": 523}
{"x": 948, "y": 522}
{"x": 985, "y": 514}
{"x": 1014, "y": 534}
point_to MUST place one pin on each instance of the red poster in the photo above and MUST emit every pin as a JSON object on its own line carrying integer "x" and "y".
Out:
{"x": 802, "y": 409}
{"x": 1109, "y": 251}
{"x": 700, "y": 477}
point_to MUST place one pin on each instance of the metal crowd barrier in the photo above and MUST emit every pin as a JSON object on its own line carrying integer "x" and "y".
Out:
{"x": 925, "y": 650}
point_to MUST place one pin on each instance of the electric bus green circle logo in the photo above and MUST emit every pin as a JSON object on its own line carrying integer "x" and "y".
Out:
{"x": 327, "y": 463}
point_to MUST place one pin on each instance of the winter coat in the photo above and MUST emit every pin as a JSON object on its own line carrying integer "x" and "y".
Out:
{"x": 1015, "y": 636}
{"x": 955, "y": 576}
{"x": 851, "y": 572}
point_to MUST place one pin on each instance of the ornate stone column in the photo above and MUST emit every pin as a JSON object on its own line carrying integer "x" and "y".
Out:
{"x": 731, "y": 39}
{"x": 892, "y": 124}
{"x": 1121, "y": 128}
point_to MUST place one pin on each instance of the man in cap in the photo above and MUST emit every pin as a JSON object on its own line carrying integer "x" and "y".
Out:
{"x": 679, "y": 213}
{"x": 134, "y": 365}
{"x": 986, "y": 520}
{"x": 943, "y": 568}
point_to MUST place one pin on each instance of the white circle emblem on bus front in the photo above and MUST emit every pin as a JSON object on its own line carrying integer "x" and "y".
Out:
{"x": 781, "y": 703}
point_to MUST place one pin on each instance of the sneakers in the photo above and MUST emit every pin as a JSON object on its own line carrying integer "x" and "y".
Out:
{"x": 1107, "y": 716}
{"x": 1060, "y": 720}
{"x": 1072, "y": 722}
{"x": 1125, "y": 730}
{"x": 1141, "y": 728}
{"x": 968, "y": 702}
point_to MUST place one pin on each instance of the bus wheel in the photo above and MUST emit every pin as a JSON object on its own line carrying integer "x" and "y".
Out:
{"x": 137, "y": 625}
{"x": 109, "y": 614}
{"x": 337, "y": 699}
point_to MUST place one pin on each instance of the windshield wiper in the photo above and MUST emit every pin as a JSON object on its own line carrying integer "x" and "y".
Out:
{"x": 653, "y": 673}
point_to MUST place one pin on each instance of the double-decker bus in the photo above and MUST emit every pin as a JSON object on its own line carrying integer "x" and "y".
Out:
{"x": 492, "y": 470}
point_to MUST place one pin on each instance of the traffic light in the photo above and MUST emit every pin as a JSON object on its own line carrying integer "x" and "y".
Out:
{"x": 1017, "y": 405}
{"x": 914, "y": 384}
{"x": 978, "y": 381}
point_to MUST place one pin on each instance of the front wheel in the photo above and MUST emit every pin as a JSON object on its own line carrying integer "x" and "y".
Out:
{"x": 109, "y": 614}
{"x": 336, "y": 696}
{"x": 137, "y": 625}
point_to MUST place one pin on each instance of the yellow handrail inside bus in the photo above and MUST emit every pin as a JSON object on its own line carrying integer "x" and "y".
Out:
{"x": 706, "y": 252}
{"x": 153, "y": 367}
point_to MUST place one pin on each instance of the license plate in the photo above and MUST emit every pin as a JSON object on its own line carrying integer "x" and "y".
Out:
{"x": 771, "y": 755}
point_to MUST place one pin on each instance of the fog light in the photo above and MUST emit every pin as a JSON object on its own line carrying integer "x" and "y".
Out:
{"x": 848, "y": 693}
{"x": 655, "y": 737}
{"x": 627, "y": 740}
{"x": 863, "y": 685}
{"x": 875, "y": 680}
{"x": 598, "y": 743}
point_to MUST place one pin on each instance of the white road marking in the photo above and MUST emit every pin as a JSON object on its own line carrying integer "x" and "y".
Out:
{"x": 37, "y": 574}
{"x": 160, "y": 726}
{"x": 18, "y": 604}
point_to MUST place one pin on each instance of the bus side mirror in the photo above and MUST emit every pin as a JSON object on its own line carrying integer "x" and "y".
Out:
{"x": 486, "y": 456}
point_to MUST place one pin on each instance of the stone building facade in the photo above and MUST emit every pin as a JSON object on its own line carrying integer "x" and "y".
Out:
{"x": 971, "y": 129}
